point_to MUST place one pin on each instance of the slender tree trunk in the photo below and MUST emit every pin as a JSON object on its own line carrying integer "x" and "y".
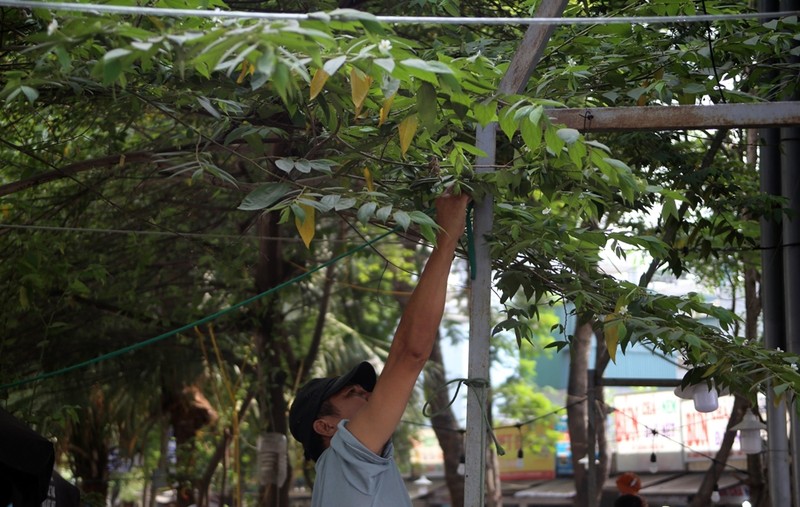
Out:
{"x": 494, "y": 491}
{"x": 88, "y": 447}
{"x": 445, "y": 426}
{"x": 271, "y": 270}
{"x": 577, "y": 409}
{"x": 602, "y": 359}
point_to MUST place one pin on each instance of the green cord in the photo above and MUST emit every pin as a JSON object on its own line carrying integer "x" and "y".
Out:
{"x": 474, "y": 383}
{"x": 187, "y": 327}
{"x": 470, "y": 243}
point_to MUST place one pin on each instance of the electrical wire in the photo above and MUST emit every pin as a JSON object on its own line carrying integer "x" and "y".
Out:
{"x": 353, "y": 15}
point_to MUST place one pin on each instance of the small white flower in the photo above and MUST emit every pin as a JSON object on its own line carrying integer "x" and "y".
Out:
{"x": 52, "y": 27}
{"x": 779, "y": 349}
{"x": 795, "y": 367}
{"x": 216, "y": 19}
{"x": 384, "y": 46}
{"x": 546, "y": 211}
{"x": 623, "y": 310}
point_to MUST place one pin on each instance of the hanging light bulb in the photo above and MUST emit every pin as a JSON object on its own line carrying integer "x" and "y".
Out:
{"x": 705, "y": 398}
{"x": 462, "y": 467}
{"x": 520, "y": 458}
{"x": 750, "y": 433}
{"x": 653, "y": 463}
{"x": 423, "y": 483}
{"x": 715, "y": 494}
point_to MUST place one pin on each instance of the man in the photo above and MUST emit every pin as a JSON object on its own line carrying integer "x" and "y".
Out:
{"x": 345, "y": 423}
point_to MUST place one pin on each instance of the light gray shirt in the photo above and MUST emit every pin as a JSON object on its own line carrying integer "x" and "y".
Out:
{"x": 350, "y": 475}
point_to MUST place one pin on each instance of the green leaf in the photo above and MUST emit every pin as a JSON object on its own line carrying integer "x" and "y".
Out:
{"x": 428, "y": 233}
{"x": 206, "y": 104}
{"x": 485, "y": 112}
{"x": 418, "y": 217}
{"x": 366, "y": 211}
{"x": 116, "y": 53}
{"x": 507, "y": 124}
{"x": 385, "y": 63}
{"x": 285, "y": 164}
{"x": 427, "y": 105}
{"x": 265, "y": 196}
{"x": 30, "y": 93}
{"x": 428, "y": 66}
{"x": 333, "y": 65}
{"x": 531, "y": 134}
{"x": 111, "y": 71}
{"x": 553, "y": 142}
{"x": 383, "y": 213}
{"x": 567, "y": 135}
{"x": 402, "y": 219}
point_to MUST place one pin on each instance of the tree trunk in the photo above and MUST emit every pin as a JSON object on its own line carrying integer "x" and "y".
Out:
{"x": 494, "y": 490}
{"x": 445, "y": 426}
{"x": 576, "y": 408}
{"x": 602, "y": 359}
{"x": 271, "y": 270}
{"x": 89, "y": 450}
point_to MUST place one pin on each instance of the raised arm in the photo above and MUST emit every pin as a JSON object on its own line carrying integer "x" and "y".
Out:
{"x": 413, "y": 340}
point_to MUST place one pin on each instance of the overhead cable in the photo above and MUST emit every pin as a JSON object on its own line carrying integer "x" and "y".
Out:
{"x": 346, "y": 15}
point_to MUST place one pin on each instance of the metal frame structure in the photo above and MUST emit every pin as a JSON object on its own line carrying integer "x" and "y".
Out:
{"x": 760, "y": 115}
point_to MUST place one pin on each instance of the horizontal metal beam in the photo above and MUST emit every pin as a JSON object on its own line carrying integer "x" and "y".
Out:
{"x": 648, "y": 382}
{"x": 766, "y": 114}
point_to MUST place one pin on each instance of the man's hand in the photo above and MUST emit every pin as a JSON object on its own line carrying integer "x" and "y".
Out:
{"x": 451, "y": 212}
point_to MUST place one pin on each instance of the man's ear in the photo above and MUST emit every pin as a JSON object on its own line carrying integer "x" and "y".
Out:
{"x": 324, "y": 428}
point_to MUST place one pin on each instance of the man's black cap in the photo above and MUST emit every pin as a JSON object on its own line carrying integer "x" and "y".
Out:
{"x": 310, "y": 397}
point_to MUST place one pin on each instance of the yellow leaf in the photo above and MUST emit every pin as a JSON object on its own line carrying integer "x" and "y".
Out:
{"x": 387, "y": 105}
{"x": 368, "y": 177}
{"x": 643, "y": 97}
{"x": 408, "y": 128}
{"x": 611, "y": 333}
{"x": 306, "y": 227}
{"x": 247, "y": 68}
{"x": 359, "y": 87}
{"x": 318, "y": 82}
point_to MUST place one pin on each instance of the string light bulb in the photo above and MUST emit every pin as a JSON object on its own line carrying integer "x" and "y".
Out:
{"x": 715, "y": 494}
{"x": 462, "y": 467}
{"x": 520, "y": 453}
{"x": 705, "y": 399}
{"x": 750, "y": 433}
{"x": 653, "y": 462}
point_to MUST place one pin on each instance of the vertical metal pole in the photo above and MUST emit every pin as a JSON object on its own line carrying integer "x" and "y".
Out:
{"x": 790, "y": 185}
{"x": 522, "y": 64}
{"x": 772, "y": 304}
{"x": 479, "y": 331}
{"x": 790, "y": 189}
{"x": 591, "y": 434}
